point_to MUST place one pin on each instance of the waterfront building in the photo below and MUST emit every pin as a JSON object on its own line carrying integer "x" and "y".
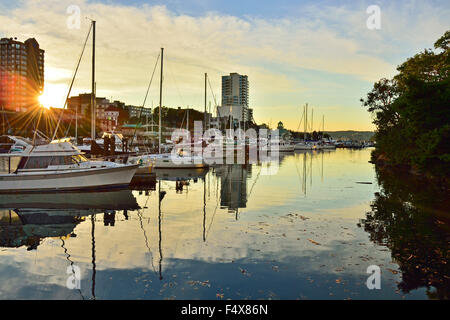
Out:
{"x": 235, "y": 98}
{"x": 21, "y": 74}
{"x": 135, "y": 112}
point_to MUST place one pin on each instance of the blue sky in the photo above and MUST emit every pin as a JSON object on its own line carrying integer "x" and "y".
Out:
{"x": 294, "y": 52}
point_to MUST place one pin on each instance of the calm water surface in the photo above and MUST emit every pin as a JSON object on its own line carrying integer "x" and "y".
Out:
{"x": 232, "y": 232}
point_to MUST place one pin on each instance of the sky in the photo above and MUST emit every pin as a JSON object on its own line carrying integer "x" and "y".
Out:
{"x": 294, "y": 52}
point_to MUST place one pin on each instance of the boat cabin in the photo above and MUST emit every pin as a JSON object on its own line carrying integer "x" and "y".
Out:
{"x": 28, "y": 157}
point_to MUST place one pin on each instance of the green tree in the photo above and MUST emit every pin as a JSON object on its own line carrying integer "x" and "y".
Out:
{"x": 412, "y": 111}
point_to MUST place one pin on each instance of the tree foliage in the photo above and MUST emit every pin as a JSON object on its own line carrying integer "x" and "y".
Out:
{"x": 412, "y": 111}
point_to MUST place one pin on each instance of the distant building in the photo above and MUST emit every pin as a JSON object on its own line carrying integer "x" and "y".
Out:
{"x": 282, "y": 132}
{"x": 108, "y": 113}
{"x": 109, "y": 119}
{"x": 235, "y": 96}
{"x": 21, "y": 74}
{"x": 81, "y": 104}
{"x": 135, "y": 112}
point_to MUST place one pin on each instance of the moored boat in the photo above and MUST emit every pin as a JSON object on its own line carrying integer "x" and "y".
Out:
{"x": 58, "y": 166}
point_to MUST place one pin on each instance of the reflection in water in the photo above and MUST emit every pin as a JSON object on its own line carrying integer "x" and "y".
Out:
{"x": 410, "y": 217}
{"x": 292, "y": 234}
{"x": 28, "y": 219}
{"x": 93, "y": 255}
{"x": 160, "y": 198}
{"x": 233, "y": 182}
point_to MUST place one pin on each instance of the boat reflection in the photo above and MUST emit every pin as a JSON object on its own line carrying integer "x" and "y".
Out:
{"x": 27, "y": 219}
{"x": 181, "y": 174}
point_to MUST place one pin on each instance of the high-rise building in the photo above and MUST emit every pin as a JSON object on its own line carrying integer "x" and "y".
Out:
{"x": 21, "y": 74}
{"x": 234, "y": 90}
{"x": 235, "y": 97}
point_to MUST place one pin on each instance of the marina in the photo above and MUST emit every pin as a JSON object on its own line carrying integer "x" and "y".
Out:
{"x": 227, "y": 232}
{"x": 225, "y": 154}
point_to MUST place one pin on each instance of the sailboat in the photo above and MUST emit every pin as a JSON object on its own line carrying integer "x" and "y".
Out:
{"x": 174, "y": 160}
{"x": 305, "y": 145}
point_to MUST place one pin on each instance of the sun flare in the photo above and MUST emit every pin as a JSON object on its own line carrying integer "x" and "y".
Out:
{"x": 52, "y": 97}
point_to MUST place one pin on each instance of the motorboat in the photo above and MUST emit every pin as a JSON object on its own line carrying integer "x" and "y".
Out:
{"x": 302, "y": 146}
{"x": 57, "y": 166}
{"x": 282, "y": 145}
{"x": 172, "y": 161}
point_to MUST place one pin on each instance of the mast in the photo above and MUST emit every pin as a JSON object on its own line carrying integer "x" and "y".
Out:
{"x": 187, "y": 119}
{"x": 323, "y": 125}
{"x": 306, "y": 118}
{"x": 76, "y": 124}
{"x": 93, "y": 84}
{"x": 152, "y": 118}
{"x": 209, "y": 111}
{"x": 160, "y": 98}
{"x": 204, "y": 115}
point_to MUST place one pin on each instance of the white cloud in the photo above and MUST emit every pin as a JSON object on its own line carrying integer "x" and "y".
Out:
{"x": 327, "y": 39}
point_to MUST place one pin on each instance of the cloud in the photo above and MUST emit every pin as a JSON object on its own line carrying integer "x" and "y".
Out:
{"x": 330, "y": 40}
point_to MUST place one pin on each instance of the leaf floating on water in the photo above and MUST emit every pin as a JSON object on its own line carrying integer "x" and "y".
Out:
{"x": 314, "y": 242}
{"x": 392, "y": 270}
{"x": 202, "y": 283}
{"x": 244, "y": 272}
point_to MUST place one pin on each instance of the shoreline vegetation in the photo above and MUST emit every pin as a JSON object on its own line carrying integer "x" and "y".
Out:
{"x": 411, "y": 113}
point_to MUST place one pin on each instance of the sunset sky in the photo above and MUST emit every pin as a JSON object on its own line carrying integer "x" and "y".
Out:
{"x": 293, "y": 52}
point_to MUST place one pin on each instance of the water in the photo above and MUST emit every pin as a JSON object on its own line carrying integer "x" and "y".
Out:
{"x": 232, "y": 232}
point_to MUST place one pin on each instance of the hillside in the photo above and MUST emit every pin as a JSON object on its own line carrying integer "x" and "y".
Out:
{"x": 351, "y": 135}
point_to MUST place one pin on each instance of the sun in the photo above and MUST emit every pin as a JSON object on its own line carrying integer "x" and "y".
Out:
{"x": 44, "y": 101}
{"x": 54, "y": 96}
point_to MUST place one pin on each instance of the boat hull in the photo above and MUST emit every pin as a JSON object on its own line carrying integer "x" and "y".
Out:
{"x": 70, "y": 180}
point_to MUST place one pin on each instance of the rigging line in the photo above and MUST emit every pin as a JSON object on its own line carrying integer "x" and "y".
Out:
{"x": 254, "y": 182}
{"x": 145, "y": 98}
{"x": 71, "y": 84}
{"x": 68, "y": 127}
{"x": 212, "y": 218}
{"x": 301, "y": 119}
{"x": 298, "y": 173}
{"x": 217, "y": 203}
{"x": 175, "y": 83}
{"x": 146, "y": 239}
{"x": 71, "y": 262}
{"x": 212, "y": 92}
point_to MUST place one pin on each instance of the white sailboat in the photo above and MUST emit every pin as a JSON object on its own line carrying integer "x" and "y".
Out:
{"x": 176, "y": 159}
{"x": 282, "y": 145}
